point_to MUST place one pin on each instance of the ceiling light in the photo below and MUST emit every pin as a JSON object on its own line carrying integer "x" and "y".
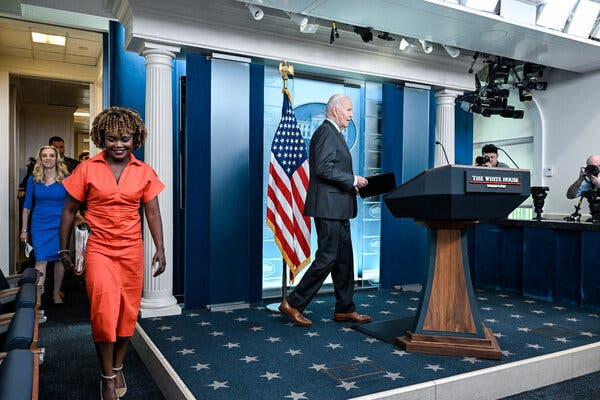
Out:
{"x": 554, "y": 13}
{"x": 256, "y": 12}
{"x": 452, "y": 51}
{"x": 300, "y": 19}
{"x": 81, "y": 114}
{"x": 405, "y": 45}
{"x": 426, "y": 46}
{"x": 584, "y": 18}
{"x": 48, "y": 39}
{"x": 482, "y": 5}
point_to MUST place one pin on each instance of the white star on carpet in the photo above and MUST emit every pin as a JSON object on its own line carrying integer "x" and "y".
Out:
{"x": 307, "y": 312}
{"x": 507, "y": 353}
{"x": 482, "y": 298}
{"x": 588, "y": 334}
{"x": 260, "y": 308}
{"x": 538, "y": 312}
{"x": 365, "y": 305}
{"x": 297, "y": 396}
{"x": 293, "y": 352}
{"x": 348, "y": 385}
{"x": 334, "y": 346}
{"x": 273, "y": 339}
{"x": 561, "y": 339}
{"x": 524, "y": 329}
{"x": 240, "y": 319}
{"x": 399, "y": 352}
{"x": 317, "y": 367}
{"x": 502, "y": 295}
{"x": 185, "y": 351}
{"x": 549, "y": 324}
{"x": 230, "y": 345}
{"x": 164, "y": 328}
{"x": 393, "y": 376}
{"x": 370, "y": 340}
{"x": 594, "y": 315}
{"x": 361, "y": 359}
{"x": 415, "y": 299}
{"x": 411, "y": 308}
{"x": 491, "y": 320}
{"x": 559, "y": 308}
{"x": 256, "y": 328}
{"x": 175, "y": 338}
{"x": 499, "y": 335}
{"x": 271, "y": 375}
{"x": 385, "y": 312}
{"x": 325, "y": 320}
{"x": 515, "y": 316}
{"x": 203, "y": 323}
{"x": 199, "y": 366}
{"x": 371, "y": 295}
{"x": 534, "y": 346}
{"x": 216, "y": 333}
{"x": 508, "y": 305}
{"x": 573, "y": 319}
{"x": 217, "y": 385}
{"x": 311, "y": 334}
{"x": 319, "y": 301}
{"x": 345, "y": 329}
{"x": 391, "y": 301}
{"x": 192, "y": 314}
{"x": 472, "y": 360}
{"x": 434, "y": 368}
{"x": 273, "y": 315}
{"x": 487, "y": 308}
{"x": 530, "y": 301}
{"x": 249, "y": 359}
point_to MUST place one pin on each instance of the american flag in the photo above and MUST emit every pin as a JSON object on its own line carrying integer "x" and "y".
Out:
{"x": 288, "y": 182}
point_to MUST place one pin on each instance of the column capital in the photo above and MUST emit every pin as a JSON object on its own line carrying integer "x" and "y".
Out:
{"x": 147, "y": 48}
{"x": 447, "y": 96}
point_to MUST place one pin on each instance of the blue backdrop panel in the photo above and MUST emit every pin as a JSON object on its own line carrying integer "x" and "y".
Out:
{"x": 511, "y": 278}
{"x": 197, "y": 183}
{"x": 463, "y": 136}
{"x": 567, "y": 275}
{"x": 590, "y": 270}
{"x": 487, "y": 261}
{"x": 406, "y": 118}
{"x": 539, "y": 249}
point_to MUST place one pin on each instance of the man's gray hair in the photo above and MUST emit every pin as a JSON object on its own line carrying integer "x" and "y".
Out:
{"x": 334, "y": 101}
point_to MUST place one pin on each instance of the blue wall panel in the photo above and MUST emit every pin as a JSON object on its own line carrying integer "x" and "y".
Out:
{"x": 197, "y": 183}
{"x": 511, "y": 278}
{"x": 539, "y": 248}
{"x": 463, "y": 136}
{"x": 487, "y": 256}
{"x": 406, "y": 129}
{"x": 567, "y": 274}
{"x": 590, "y": 270}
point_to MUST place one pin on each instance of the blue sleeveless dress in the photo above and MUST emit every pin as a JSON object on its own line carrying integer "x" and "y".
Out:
{"x": 46, "y": 203}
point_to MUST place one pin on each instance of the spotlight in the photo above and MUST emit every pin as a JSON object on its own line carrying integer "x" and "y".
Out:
{"x": 405, "y": 45}
{"x": 452, "y": 51}
{"x": 256, "y": 11}
{"x": 365, "y": 33}
{"x": 304, "y": 23}
{"x": 426, "y": 46}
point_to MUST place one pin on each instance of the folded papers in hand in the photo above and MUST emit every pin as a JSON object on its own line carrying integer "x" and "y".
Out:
{"x": 378, "y": 184}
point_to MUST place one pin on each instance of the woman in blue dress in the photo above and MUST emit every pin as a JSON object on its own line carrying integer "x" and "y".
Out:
{"x": 44, "y": 200}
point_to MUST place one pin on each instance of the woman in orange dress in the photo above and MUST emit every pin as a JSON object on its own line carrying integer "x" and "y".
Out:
{"x": 114, "y": 184}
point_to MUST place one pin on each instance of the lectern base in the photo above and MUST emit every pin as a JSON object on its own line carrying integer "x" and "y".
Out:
{"x": 452, "y": 345}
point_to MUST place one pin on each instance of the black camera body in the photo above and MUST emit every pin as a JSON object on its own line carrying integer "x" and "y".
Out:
{"x": 480, "y": 160}
{"x": 591, "y": 170}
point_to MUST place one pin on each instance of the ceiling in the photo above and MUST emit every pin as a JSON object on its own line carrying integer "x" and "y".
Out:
{"x": 455, "y": 25}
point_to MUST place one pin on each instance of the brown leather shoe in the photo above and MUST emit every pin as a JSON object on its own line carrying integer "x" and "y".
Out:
{"x": 351, "y": 317}
{"x": 295, "y": 315}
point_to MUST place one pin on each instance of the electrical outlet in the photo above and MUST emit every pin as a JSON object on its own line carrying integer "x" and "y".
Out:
{"x": 548, "y": 171}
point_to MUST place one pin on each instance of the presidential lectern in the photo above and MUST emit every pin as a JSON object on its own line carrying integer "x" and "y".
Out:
{"x": 449, "y": 200}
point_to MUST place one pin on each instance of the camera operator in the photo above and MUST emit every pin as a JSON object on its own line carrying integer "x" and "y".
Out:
{"x": 489, "y": 157}
{"x": 588, "y": 178}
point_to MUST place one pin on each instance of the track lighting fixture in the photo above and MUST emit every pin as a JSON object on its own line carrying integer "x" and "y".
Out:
{"x": 426, "y": 46}
{"x": 452, "y": 51}
{"x": 256, "y": 12}
{"x": 366, "y": 34}
{"x": 306, "y": 26}
{"x": 405, "y": 45}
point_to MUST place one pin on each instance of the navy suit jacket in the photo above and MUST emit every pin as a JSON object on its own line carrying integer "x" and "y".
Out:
{"x": 331, "y": 193}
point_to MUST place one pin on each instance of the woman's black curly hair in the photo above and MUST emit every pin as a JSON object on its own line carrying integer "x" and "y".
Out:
{"x": 118, "y": 120}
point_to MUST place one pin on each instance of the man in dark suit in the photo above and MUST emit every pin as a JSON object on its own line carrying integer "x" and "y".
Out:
{"x": 331, "y": 201}
{"x": 59, "y": 143}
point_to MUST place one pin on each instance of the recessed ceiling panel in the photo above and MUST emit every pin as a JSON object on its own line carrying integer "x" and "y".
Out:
{"x": 81, "y": 47}
{"x": 91, "y": 61}
{"x": 12, "y": 38}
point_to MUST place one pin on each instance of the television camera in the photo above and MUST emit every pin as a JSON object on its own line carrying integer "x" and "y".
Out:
{"x": 493, "y": 83}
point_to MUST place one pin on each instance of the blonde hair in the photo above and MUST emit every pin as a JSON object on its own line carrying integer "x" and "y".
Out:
{"x": 60, "y": 166}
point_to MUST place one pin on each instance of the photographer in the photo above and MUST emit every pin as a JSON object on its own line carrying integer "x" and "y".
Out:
{"x": 489, "y": 157}
{"x": 588, "y": 178}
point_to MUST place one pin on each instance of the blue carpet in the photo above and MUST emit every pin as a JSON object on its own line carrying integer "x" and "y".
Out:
{"x": 254, "y": 354}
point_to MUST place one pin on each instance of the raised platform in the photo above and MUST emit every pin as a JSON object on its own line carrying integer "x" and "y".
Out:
{"x": 255, "y": 354}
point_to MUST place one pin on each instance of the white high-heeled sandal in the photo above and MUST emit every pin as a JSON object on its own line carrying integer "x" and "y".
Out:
{"x": 111, "y": 377}
{"x": 121, "y": 391}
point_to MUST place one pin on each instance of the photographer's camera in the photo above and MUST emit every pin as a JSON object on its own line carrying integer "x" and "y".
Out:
{"x": 591, "y": 170}
{"x": 482, "y": 160}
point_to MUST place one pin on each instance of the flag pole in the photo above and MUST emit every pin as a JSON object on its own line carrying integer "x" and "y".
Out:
{"x": 284, "y": 70}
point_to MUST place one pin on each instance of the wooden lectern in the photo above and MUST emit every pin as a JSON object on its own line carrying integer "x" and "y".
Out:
{"x": 449, "y": 200}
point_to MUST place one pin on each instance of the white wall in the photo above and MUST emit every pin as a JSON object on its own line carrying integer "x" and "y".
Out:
{"x": 569, "y": 113}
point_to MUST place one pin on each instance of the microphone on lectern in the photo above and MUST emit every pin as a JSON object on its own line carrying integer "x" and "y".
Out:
{"x": 444, "y": 150}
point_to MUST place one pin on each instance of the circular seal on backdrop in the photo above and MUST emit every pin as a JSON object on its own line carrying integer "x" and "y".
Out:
{"x": 268, "y": 269}
{"x": 311, "y": 115}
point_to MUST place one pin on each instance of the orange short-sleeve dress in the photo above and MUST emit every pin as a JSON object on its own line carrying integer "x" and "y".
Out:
{"x": 114, "y": 255}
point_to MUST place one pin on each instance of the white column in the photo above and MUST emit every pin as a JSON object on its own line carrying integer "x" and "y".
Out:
{"x": 158, "y": 299}
{"x": 444, "y": 126}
